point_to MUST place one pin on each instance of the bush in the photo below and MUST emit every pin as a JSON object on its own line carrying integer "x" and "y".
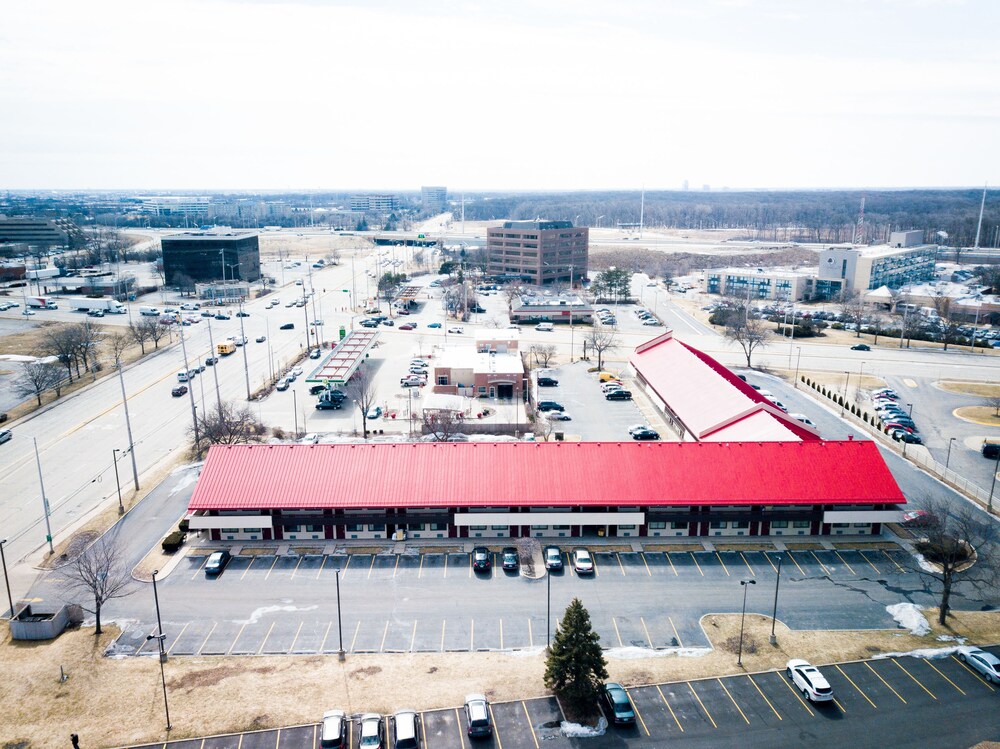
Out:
{"x": 172, "y": 542}
{"x": 183, "y": 525}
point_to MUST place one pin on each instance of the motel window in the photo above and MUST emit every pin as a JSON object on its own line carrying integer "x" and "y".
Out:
{"x": 655, "y": 526}
{"x": 355, "y": 528}
{"x": 539, "y": 527}
{"x": 719, "y": 524}
{"x": 439, "y": 526}
{"x": 566, "y": 527}
{"x": 678, "y": 526}
{"x": 498, "y": 527}
{"x": 414, "y": 526}
{"x": 477, "y": 527}
{"x": 251, "y": 530}
{"x": 376, "y": 527}
{"x": 293, "y": 528}
{"x": 620, "y": 527}
{"x": 779, "y": 523}
{"x": 229, "y": 530}
{"x": 741, "y": 524}
{"x": 482, "y": 390}
{"x": 442, "y": 379}
{"x": 841, "y": 525}
{"x": 800, "y": 523}
{"x": 861, "y": 525}
{"x": 314, "y": 528}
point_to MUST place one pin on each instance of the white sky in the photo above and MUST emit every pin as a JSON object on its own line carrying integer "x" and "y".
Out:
{"x": 498, "y": 94}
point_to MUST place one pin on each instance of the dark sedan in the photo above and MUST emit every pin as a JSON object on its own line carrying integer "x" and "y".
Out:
{"x": 617, "y": 704}
{"x": 481, "y": 559}
{"x": 509, "y": 559}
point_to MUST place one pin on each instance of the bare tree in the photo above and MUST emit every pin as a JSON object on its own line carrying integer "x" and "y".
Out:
{"x": 363, "y": 391}
{"x": 140, "y": 330}
{"x": 601, "y": 339}
{"x": 442, "y": 423}
{"x": 232, "y": 423}
{"x": 156, "y": 331}
{"x": 61, "y": 342}
{"x": 36, "y": 379}
{"x": 511, "y": 293}
{"x": 959, "y": 545}
{"x": 543, "y": 353}
{"x": 852, "y": 307}
{"x": 993, "y": 402}
{"x": 100, "y": 573}
{"x": 878, "y": 321}
{"x": 87, "y": 343}
{"x": 946, "y": 314}
{"x": 118, "y": 343}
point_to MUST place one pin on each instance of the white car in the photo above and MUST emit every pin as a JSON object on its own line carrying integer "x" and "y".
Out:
{"x": 583, "y": 563}
{"x": 297, "y": 371}
{"x": 803, "y": 418}
{"x": 455, "y": 330}
{"x": 418, "y": 363}
{"x": 809, "y": 680}
{"x": 558, "y": 416}
{"x": 985, "y": 663}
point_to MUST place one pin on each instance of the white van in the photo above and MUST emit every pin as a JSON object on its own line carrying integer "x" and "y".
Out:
{"x": 546, "y": 326}
{"x": 149, "y": 311}
{"x": 185, "y": 375}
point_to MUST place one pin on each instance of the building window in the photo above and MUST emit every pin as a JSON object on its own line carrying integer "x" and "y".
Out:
{"x": 498, "y": 527}
{"x": 477, "y": 527}
{"x": 657, "y": 526}
{"x": 376, "y": 527}
{"x": 800, "y": 523}
{"x": 779, "y": 523}
{"x": 314, "y": 528}
{"x": 539, "y": 527}
{"x": 678, "y": 526}
{"x": 620, "y": 527}
{"x": 841, "y": 525}
{"x": 442, "y": 379}
{"x": 566, "y": 527}
{"x": 718, "y": 524}
{"x": 439, "y": 526}
{"x": 861, "y": 525}
{"x": 414, "y": 526}
{"x": 741, "y": 524}
{"x": 229, "y": 530}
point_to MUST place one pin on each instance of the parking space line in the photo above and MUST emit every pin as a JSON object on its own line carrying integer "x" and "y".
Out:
{"x": 825, "y": 569}
{"x": 705, "y": 709}
{"x": 261, "y": 650}
{"x": 472, "y": 635}
{"x": 146, "y": 641}
{"x": 277, "y": 740}
{"x": 915, "y": 679}
{"x": 356, "y": 628}
{"x": 423, "y": 727}
{"x": 446, "y": 565}
{"x": 733, "y": 701}
{"x": 200, "y": 566}
{"x": 877, "y": 570}
{"x": 648, "y": 638}
{"x": 496, "y": 728}
{"x": 978, "y": 677}
{"x": 396, "y": 568}
{"x": 646, "y": 565}
{"x": 470, "y": 566}
{"x": 296, "y": 569}
{"x": 620, "y": 565}
{"x": 849, "y": 679}
{"x": 252, "y": 560}
{"x": 443, "y": 622}
{"x": 177, "y": 639}
{"x": 325, "y": 635}
{"x": 458, "y": 725}
{"x": 235, "y": 639}
{"x": 530, "y": 726}
{"x": 696, "y": 562}
{"x": 270, "y": 568}
{"x": 371, "y": 567}
{"x": 869, "y": 667}
{"x": 597, "y": 572}
{"x": 381, "y": 645}
{"x": 724, "y": 567}
{"x": 239, "y": 744}
{"x": 845, "y": 563}
{"x": 671, "y": 563}
{"x": 420, "y": 571}
{"x": 321, "y": 566}
{"x": 676, "y": 633}
{"x": 343, "y": 572}
{"x": 886, "y": 554}
{"x": 794, "y": 691}
{"x": 839, "y": 706}
{"x": 765, "y": 697}
{"x": 617, "y": 633}
{"x": 672, "y": 715}
{"x": 752, "y": 573}
{"x": 927, "y": 662}
{"x": 531, "y": 640}
{"x": 413, "y": 637}
{"x": 635, "y": 709}
{"x": 205, "y": 641}
{"x": 773, "y": 568}
{"x": 792, "y": 557}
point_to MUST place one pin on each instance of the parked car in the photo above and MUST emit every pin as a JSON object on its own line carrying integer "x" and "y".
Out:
{"x": 178, "y": 391}
{"x": 907, "y": 437}
{"x": 509, "y": 559}
{"x": 371, "y": 731}
{"x": 553, "y": 558}
{"x": 645, "y": 434}
{"x": 619, "y": 395}
{"x": 412, "y": 381}
{"x": 407, "y": 326}
{"x": 550, "y": 406}
{"x": 433, "y": 325}
{"x": 481, "y": 559}
{"x": 287, "y": 326}
{"x": 315, "y": 354}
{"x": 455, "y": 330}
{"x": 803, "y": 418}
{"x": 405, "y": 729}
{"x": 918, "y": 519}
{"x": 861, "y": 347}
{"x": 282, "y": 384}
{"x": 809, "y": 680}
{"x": 222, "y": 316}
{"x": 329, "y": 405}
{"x": 583, "y": 563}
{"x": 477, "y": 716}
{"x": 985, "y": 663}
{"x": 547, "y": 382}
{"x": 6, "y": 436}
{"x": 334, "y": 732}
{"x": 217, "y": 562}
{"x": 617, "y": 705}
{"x": 374, "y": 412}
{"x": 558, "y": 416}
{"x": 242, "y": 314}
{"x": 389, "y": 323}
{"x": 261, "y": 339}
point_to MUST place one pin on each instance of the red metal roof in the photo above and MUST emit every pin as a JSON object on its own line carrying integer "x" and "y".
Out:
{"x": 529, "y": 474}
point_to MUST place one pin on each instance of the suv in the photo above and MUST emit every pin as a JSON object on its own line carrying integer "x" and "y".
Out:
{"x": 481, "y": 559}
{"x": 547, "y": 382}
{"x": 404, "y": 723}
{"x": 619, "y": 395}
{"x": 371, "y": 731}
{"x": 477, "y": 715}
{"x": 550, "y": 406}
{"x": 809, "y": 681}
{"x": 334, "y": 730}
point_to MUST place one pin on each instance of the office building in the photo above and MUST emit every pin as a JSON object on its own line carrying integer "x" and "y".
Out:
{"x": 538, "y": 252}
{"x": 866, "y": 268}
{"x": 38, "y": 232}
{"x": 175, "y": 205}
{"x": 434, "y": 199}
{"x": 374, "y": 203}
{"x": 760, "y": 283}
{"x": 215, "y": 255}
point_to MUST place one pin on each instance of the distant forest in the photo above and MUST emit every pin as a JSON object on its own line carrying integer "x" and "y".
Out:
{"x": 797, "y": 216}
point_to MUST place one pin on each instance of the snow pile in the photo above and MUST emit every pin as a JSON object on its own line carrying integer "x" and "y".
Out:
{"x": 925, "y": 653}
{"x": 577, "y": 731}
{"x": 908, "y": 616}
{"x": 925, "y": 565}
{"x": 951, "y": 638}
{"x": 257, "y": 614}
{"x": 524, "y": 652}
{"x": 634, "y": 653}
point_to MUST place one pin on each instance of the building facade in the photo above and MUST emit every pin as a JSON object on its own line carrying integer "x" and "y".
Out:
{"x": 867, "y": 268}
{"x": 211, "y": 256}
{"x": 762, "y": 283}
{"x": 35, "y": 232}
{"x": 538, "y": 252}
{"x": 531, "y": 308}
{"x": 374, "y": 203}
{"x": 434, "y": 199}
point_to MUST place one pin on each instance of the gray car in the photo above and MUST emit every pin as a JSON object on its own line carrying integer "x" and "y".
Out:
{"x": 985, "y": 663}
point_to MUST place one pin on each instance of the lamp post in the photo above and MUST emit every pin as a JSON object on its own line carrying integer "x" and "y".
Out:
{"x": 160, "y": 637}
{"x": 114, "y": 457}
{"x": 774, "y": 614}
{"x": 948, "y": 459}
{"x": 996, "y": 467}
{"x": 340, "y": 628}
{"x": 798, "y": 356}
{"x": 847, "y": 384}
{"x": 743, "y": 584}
{"x": 909, "y": 406}
{"x": 6, "y": 580}
{"x": 548, "y": 609}
{"x": 295, "y": 412}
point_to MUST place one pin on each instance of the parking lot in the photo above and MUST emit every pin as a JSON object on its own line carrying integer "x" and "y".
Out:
{"x": 651, "y": 599}
{"x": 889, "y": 702}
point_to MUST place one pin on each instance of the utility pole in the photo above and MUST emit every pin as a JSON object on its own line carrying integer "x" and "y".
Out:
{"x": 194, "y": 410}
{"x": 45, "y": 502}
{"x": 243, "y": 337}
{"x": 215, "y": 372}
{"x": 128, "y": 426}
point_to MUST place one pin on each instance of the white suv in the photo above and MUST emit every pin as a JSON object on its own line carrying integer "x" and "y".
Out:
{"x": 809, "y": 680}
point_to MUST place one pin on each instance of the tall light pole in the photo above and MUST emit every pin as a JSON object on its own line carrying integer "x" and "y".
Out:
{"x": 548, "y": 608}
{"x": 194, "y": 412}
{"x": 571, "y": 313}
{"x": 744, "y": 584}
{"x": 246, "y": 365}
{"x": 114, "y": 457}
{"x": 45, "y": 502}
{"x": 215, "y": 372}
{"x": 948, "y": 459}
{"x": 6, "y": 580}
{"x": 128, "y": 425}
{"x": 340, "y": 625}
{"x": 847, "y": 384}
{"x": 996, "y": 468}
{"x": 798, "y": 356}
{"x": 774, "y": 615}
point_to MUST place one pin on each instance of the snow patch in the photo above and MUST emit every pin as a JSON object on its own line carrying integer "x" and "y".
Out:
{"x": 257, "y": 614}
{"x": 184, "y": 482}
{"x": 635, "y": 653}
{"x": 577, "y": 731}
{"x": 925, "y": 565}
{"x": 908, "y": 616}
{"x": 930, "y": 654}
{"x": 951, "y": 638}
{"x": 526, "y": 652}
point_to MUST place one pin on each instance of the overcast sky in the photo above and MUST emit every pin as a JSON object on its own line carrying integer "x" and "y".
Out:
{"x": 499, "y": 94}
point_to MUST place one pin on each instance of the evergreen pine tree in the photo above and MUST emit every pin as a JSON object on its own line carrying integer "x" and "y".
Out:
{"x": 575, "y": 668}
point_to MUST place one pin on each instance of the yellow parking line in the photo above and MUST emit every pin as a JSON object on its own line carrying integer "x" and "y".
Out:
{"x": 354, "y": 639}
{"x": 443, "y": 622}
{"x": 819, "y": 562}
{"x": 978, "y": 677}
{"x": 792, "y": 557}
{"x": 472, "y": 635}
{"x": 264, "y": 641}
{"x": 202, "y": 565}
{"x": 671, "y": 563}
{"x": 470, "y": 566}
{"x": 325, "y": 635}
{"x": 733, "y": 701}
{"x": 676, "y": 633}
{"x": 927, "y": 662}
{"x": 371, "y": 567}
{"x": 496, "y": 728}
{"x": 176, "y": 639}
{"x": 845, "y": 563}
{"x": 294, "y": 639}
{"x": 597, "y": 572}
{"x": 773, "y": 568}
{"x": 886, "y": 553}
{"x": 423, "y": 732}
{"x": 839, "y": 706}
{"x": 724, "y": 567}
{"x": 917, "y": 681}
{"x": 381, "y": 645}
{"x": 793, "y": 690}
{"x": 420, "y": 572}
{"x": 396, "y": 568}
{"x": 277, "y": 740}
{"x": 501, "y": 633}
{"x": 413, "y": 637}
{"x": 648, "y": 638}
{"x": 271, "y": 567}
{"x": 296, "y": 568}
{"x": 321, "y": 566}
{"x": 765, "y": 697}
{"x": 705, "y": 709}
{"x": 752, "y": 573}
{"x": 856, "y": 687}
{"x": 620, "y": 565}
{"x": 646, "y": 565}
{"x": 239, "y": 744}
{"x": 252, "y": 560}
{"x": 869, "y": 667}
{"x": 446, "y": 565}
{"x": 877, "y": 570}
{"x": 696, "y": 562}
{"x": 205, "y": 641}
{"x": 617, "y": 633}
{"x": 635, "y": 709}
{"x": 530, "y": 727}
{"x": 531, "y": 640}
{"x": 458, "y": 725}
{"x": 672, "y": 715}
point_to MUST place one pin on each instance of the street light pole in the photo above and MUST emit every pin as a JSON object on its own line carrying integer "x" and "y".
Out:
{"x": 114, "y": 457}
{"x": 996, "y": 467}
{"x": 743, "y": 584}
{"x": 774, "y": 615}
{"x": 948, "y": 459}
{"x": 798, "y": 356}
{"x": 6, "y": 580}
{"x": 246, "y": 365}
{"x": 128, "y": 426}
{"x": 340, "y": 626}
{"x": 45, "y": 502}
{"x": 847, "y": 384}
{"x": 160, "y": 637}
{"x": 548, "y": 609}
